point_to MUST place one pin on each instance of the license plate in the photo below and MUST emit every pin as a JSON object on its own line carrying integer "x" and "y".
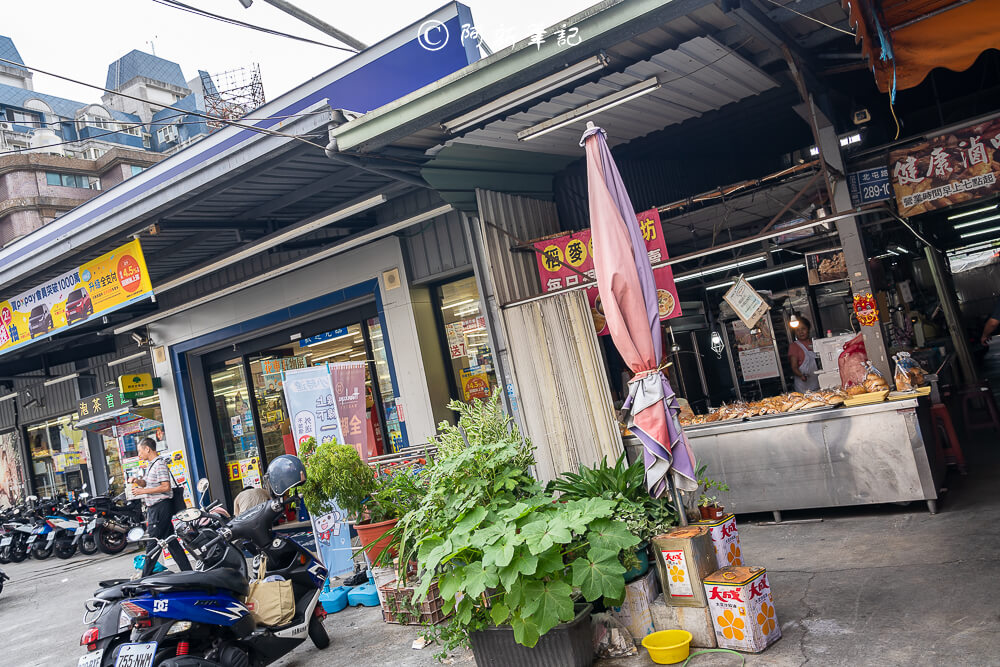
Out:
{"x": 136, "y": 655}
{"x": 79, "y": 530}
{"x": 91, "y": 659}
{"x": 90, "y": 526}
{"x": 32, "y": 539}
{"x": 51, "y": 537}
{"x": 5, "y": 541}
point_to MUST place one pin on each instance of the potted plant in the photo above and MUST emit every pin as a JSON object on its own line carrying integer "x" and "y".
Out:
{"x": 644, "y": 516}
{"x": 708, "y": 503}
{"x": 514, "y": 565}
{"x": 336, "y": 473}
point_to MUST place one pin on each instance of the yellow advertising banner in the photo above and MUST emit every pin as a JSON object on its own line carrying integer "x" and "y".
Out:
{"x": 99, "y": 286}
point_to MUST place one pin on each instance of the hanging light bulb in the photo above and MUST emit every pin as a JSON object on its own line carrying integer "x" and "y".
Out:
{"x": 793, "y": 321}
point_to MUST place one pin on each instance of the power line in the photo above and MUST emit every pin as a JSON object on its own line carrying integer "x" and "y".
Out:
{"x": 198, "y": 114}
{"x": 175, "y": 4}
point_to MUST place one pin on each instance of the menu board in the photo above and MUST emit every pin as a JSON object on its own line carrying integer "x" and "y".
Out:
{"x": 744, "y": 300}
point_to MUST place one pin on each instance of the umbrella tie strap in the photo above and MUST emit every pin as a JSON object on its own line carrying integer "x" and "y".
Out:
{"x": 642, "y": 375}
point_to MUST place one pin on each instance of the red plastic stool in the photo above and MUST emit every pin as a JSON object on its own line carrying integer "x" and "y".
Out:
{"x": 969, "y": 396}
{"x": 944, "y": 434}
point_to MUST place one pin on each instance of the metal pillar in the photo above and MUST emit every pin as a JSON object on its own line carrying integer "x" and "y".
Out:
{"x": 851, "y": 241}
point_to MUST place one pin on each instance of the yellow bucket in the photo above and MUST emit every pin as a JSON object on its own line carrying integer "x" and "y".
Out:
{"x": 668, "y": 647}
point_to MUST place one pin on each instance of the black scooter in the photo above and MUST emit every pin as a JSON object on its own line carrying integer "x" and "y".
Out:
{"x": 196, "y": 618}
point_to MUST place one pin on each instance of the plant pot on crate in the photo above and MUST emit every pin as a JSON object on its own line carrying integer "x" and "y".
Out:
{"x": 712, "y": 512}
{"x": 375, "y": 533}
{"x": 400, "y": 608}
{"x": 566, "y": 645}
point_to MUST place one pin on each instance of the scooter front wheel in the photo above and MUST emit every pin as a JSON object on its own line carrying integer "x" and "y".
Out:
{"x": 41, "y": 553}
{"x": 18, "y": 554}
{"x": 317, "y": 633}
{"x": 65, "y": 551}
{"x": 88, "y": 545}
{"x": 4, "y": 555}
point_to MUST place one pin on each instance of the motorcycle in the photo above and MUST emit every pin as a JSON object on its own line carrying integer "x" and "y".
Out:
{"x": 83, "y": 535}
{"x": 197, "y": 618}
{"x": 114, "y": 517}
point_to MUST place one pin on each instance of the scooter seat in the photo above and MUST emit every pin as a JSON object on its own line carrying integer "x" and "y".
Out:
{"x": 224, "y": 578}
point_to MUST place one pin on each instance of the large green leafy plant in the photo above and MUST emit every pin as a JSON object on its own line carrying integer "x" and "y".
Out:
{"x": 336, "y": 472}
{"x": 503, "y": 551}
{"x": 624, "y": 484}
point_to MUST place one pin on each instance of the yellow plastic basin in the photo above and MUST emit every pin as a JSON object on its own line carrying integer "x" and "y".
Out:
{"x": 668, "y": 647}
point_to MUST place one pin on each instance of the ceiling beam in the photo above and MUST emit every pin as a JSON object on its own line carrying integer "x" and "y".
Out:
{"x": 338, "y": 178}
{"x": 780, "y": 15}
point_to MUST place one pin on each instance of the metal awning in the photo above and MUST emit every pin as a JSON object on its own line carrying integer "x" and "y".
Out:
{"x": 675, "y": 85}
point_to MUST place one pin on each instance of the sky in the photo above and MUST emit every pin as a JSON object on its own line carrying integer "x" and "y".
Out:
{"x": 80, "y": 39}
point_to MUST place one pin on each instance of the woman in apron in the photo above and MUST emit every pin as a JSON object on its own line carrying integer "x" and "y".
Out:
{"x": 803, "y": 359}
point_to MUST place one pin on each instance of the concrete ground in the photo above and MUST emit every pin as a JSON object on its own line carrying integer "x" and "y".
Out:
{"x": 885, "y": 585}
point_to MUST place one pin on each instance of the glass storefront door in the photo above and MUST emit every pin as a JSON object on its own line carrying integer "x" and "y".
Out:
{"x": 252, "y": 423}
{"x": 236, "y": 429}
{"x": 469, "y": 354}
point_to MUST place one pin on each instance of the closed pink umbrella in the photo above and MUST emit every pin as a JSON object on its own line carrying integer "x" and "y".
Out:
{"x": 628, "y": 293}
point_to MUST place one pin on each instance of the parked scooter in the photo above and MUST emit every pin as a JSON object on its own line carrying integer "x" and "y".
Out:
{"x": 114, "y": 517}
{"x": 196, "y": 618}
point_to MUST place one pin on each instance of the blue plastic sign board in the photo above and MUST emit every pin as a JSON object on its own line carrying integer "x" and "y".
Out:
{"x": 869, "y": 185}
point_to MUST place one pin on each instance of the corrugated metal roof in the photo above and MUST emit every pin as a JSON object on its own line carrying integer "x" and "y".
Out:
{"x": 136, "y": 63}
{"x": 8, "y": 51}
{"x": 698, "y": 76}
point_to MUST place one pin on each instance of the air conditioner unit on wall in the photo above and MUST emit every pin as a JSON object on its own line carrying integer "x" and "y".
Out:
{"x": 6, "y": 127}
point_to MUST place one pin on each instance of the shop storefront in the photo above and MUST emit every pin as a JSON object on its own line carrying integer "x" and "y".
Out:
{"x": 227, "y": 363}
{"x": 58, "y": 457}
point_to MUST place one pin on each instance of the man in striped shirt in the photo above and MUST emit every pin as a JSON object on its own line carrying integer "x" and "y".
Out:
{"x": 156, "y": 492}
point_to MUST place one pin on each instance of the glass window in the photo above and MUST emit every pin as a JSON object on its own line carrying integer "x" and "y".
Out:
{"x": 237, "y": 434}
{"x": 469, "y": 357}
{"x": 136, "y": 169}
{"x": 73, "y": 180}
{"x": 58, "y": 457}
{"x": 24, "y": 117}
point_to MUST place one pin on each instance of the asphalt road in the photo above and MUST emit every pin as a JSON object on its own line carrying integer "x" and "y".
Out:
{"x": 41, "y": 616}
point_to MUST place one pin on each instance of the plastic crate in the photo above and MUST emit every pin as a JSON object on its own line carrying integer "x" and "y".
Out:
{"x": 398, "y": 606}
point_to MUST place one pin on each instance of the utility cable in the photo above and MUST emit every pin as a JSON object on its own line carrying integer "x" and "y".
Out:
{"x": 198, "y": 114}
{"x": 175, "y": 4}
{"x": 811, "y": 18}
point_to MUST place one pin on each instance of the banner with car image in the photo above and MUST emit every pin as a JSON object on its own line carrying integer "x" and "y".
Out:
{"x": 99, "y": 286}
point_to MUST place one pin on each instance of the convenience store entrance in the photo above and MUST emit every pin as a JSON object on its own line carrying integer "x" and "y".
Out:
{"x": 251, "y": 421}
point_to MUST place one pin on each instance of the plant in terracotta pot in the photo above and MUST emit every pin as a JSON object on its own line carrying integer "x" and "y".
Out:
{"x": 514, "y": 565}
{"x": 708, "y": 502}
{"x": 336, "y": 473}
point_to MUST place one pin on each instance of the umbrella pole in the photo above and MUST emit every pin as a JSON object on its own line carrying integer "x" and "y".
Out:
{"x": 675, "y": 494}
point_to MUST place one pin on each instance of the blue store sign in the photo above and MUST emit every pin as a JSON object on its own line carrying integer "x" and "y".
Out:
{"x": 869, "y": 185}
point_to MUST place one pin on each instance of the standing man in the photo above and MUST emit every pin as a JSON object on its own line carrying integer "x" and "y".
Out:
{"x": 157, "y": 497}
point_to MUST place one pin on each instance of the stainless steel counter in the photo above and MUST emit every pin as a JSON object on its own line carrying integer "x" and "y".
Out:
{"x": 880, "y": 453}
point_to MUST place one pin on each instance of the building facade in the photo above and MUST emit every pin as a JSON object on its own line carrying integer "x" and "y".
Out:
{"x": 57, "y": 153}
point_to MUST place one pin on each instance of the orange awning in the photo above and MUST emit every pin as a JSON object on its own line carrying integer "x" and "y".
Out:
{"x": 922, "y": 35}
